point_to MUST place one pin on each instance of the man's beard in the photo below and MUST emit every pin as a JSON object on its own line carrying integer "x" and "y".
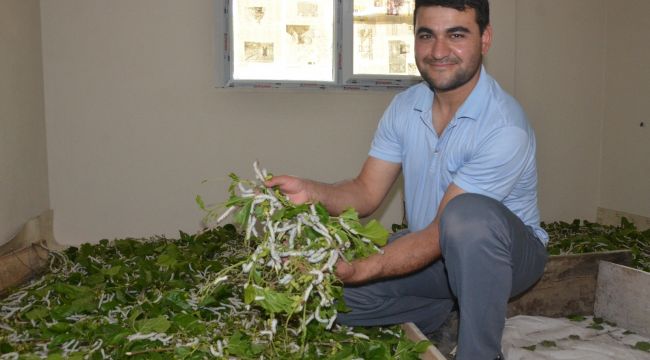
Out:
{"x": 460, "y": 78}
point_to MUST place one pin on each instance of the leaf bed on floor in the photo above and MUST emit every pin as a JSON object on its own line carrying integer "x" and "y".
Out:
{"x": 261, "y": 289}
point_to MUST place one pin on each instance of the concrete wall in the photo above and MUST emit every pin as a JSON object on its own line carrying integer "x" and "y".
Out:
{"x": 135, "y": 123}
{"x": 23, "y": 163}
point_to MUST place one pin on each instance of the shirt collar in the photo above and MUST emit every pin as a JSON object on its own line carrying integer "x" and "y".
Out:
{"x": 472, "y": 106}
{"x": 475, "y": 102}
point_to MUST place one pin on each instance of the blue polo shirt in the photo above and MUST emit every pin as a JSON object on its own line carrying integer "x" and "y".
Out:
{"x": 488, "y": 148}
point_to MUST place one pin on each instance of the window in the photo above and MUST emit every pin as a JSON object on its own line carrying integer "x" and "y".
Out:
{"x": 359, "y": 44}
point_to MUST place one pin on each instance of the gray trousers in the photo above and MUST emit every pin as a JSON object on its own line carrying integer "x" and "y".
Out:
{"x": 488, "y": 256}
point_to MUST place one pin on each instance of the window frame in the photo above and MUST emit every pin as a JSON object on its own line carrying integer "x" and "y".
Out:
{"x": 342, "y": 65}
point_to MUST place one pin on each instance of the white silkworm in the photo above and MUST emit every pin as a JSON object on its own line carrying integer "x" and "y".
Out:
{"x": 318, "y": 256}
{"x": 318, "y": 318}
{"x": 329, "y": 265}
{"x": 358, "y": 335}
{"x": 305, "y": 297}
{"x": 258, "y": 173}
{"x": 225, "y": 214}
{"x": 244, "y": 190}
{"x": 96, "y": 345}
{"x": 347, "y": 227}
{"x": 319, "y": 276}
{"x": 285, "y": 279}
{"x": 214, "y": 352}
{"x": 331, "y": 322}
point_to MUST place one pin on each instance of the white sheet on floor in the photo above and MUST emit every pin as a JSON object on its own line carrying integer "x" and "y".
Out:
{"x": 609, "y": 343}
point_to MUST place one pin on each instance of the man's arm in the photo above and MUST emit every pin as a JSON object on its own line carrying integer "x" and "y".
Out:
{"x": 405, "y": 255}
{"x": 363, "y": 193}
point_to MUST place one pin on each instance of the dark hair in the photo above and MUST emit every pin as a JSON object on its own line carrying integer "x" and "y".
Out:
{"x": 481, "y": 7}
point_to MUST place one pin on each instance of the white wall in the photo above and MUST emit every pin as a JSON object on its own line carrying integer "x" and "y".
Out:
{"x": 559, "y": 81}
{"x": 23, "y": 164}
{"x": 626, "y": 144}
{"x": 134, "y": 122}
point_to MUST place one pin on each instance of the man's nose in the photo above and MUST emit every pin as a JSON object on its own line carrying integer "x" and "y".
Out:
{"x": 439, "y": 49}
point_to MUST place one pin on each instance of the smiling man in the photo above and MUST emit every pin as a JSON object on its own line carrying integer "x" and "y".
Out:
{"x": 467, "y": 154}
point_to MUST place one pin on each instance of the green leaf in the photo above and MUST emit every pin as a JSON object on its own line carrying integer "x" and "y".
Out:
{"x": 322, "y": 213}
{"x": 643, "y": 346}
{"x": 166, "y": 260}
{"x": 290, "y": 213}
{"x": 530, "y": 348}
{"x": 182, "y": 352}
{"x": 178, "y": 298}
{"x": 200, "y": 203}
{"x": 249, "y": 294}
{"x": 242, "y": 216}
{"x": 5, "y": 347}
{"x": 72, "y": 291}
{"x": 421, "y": 346}
{"x": 95, "y": 280}
{"x": 158, "y": 324}
{"x": 241, "y": 345}
{"x": 189, "y": 323}
{"x": 37, "y": 313}
{"x": 134, "y": 315}
{"x": 377, "y": 350}
{"x": 596, "y": 326}
{"x": 548, "y": 343}
{"x": 276, "y": 302}
{"x": 112, "y": 271}
{"x": 576, "y": 317}
{"x": 375, "y": 232}
{"x": 350, "y": 215}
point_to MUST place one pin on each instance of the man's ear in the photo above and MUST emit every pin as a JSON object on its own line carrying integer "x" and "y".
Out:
{"x": 486, "y": 39}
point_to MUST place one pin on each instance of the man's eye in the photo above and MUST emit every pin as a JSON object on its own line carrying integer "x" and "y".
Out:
{"x": 457, "y": 36}
{"x": 424, "y": 36}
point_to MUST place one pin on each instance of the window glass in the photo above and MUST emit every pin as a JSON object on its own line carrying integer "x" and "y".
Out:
{"x": 283, "y": 40}
{"x": 383, "y": 37}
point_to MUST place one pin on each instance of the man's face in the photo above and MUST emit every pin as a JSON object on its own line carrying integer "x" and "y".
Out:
{"x": 449, "y": 48}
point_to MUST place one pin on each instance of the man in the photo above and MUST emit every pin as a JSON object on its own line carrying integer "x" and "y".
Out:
{"x": 467, "y": 154}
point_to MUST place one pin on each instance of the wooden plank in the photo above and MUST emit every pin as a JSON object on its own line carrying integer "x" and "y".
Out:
{"x": 623, "y": 297}
{"x": 19, "y": 266}
{"x": 413, "y": 333}
{"x": 567, "y": 287}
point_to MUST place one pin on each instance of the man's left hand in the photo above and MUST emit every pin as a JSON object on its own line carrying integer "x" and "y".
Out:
{"x": 345, "y": 271}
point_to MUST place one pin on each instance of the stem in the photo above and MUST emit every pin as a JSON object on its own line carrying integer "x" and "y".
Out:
{"x": 146, "y": 351}
{"x": 303, "y": 327}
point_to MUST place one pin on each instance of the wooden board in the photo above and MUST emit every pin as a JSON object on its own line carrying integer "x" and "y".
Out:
{"x": 19, "y": 266}
{"x": 623, "y": 297}
{"x": 567, "y": 287}
{"x": 414, "y": 334}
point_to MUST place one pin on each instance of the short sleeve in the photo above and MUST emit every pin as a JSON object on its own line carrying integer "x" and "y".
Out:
{"x": 497, "y": 164}
{"x": 387, "y": 142}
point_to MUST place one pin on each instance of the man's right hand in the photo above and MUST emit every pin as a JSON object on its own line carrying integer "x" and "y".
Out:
{"x": 295, "y": 189}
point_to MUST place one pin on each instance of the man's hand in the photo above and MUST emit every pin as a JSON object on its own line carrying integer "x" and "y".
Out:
{"x": 344, "y": 271}
{"x": 295, "y": 189}
{"x": 358, "y": 271}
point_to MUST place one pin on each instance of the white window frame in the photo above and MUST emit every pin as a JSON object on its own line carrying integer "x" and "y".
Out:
{"x": 342, "y": 62}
